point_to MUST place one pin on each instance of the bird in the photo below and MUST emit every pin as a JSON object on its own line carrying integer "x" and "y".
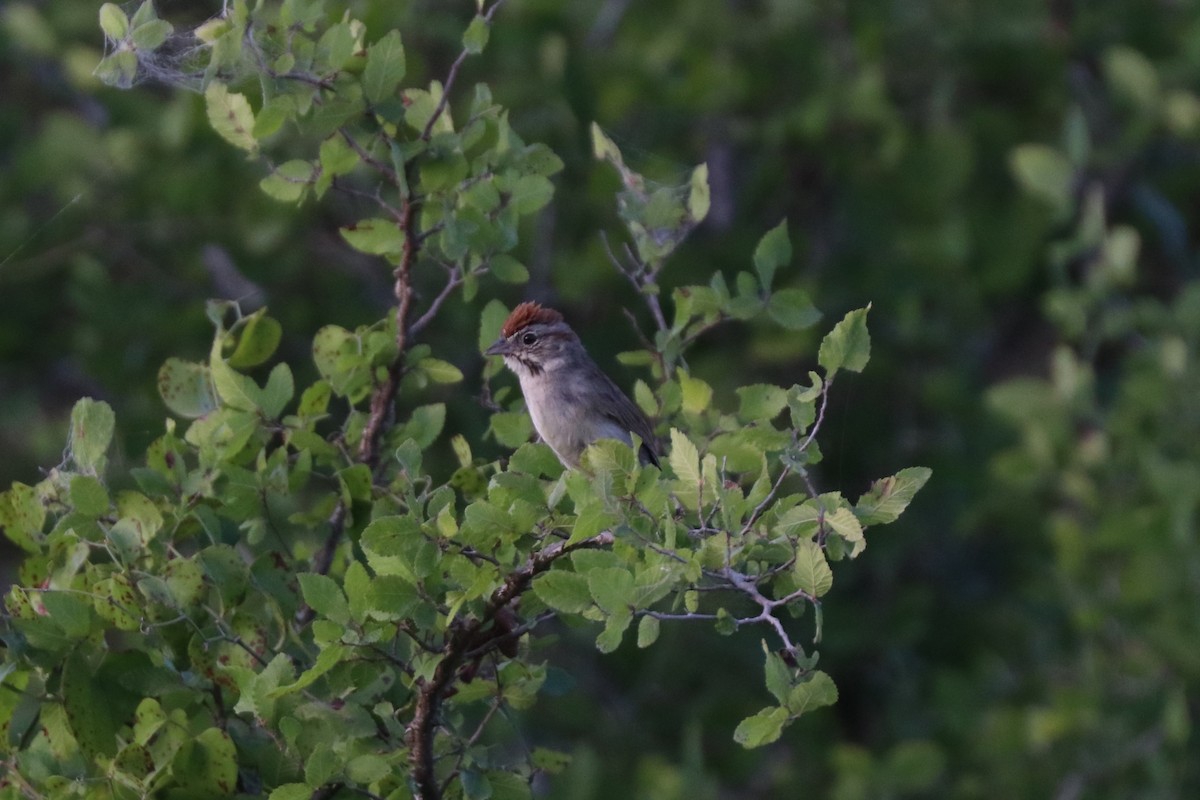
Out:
{"x": 570, "y": 399}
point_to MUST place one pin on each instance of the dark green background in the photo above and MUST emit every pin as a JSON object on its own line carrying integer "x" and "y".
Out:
{"x": 975, "y": 656}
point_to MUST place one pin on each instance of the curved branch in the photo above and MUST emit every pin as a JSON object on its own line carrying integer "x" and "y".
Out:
{"x": 464, "y": 639}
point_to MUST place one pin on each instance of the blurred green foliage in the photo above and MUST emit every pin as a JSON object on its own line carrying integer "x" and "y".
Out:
{"x": 1012, "y": 184}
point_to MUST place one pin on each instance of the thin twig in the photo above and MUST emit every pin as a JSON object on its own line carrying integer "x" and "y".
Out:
{"x": 453, "y": 281}
{"x": 639, "y": 276}
{"x": 816, "y": 426}
{"x": 323, "y": 560}
{"x": 452, "y": 76}
{"x": 385, "y": 169}
{"x": 487, "y": 717}
{"x": 766, "y": 501}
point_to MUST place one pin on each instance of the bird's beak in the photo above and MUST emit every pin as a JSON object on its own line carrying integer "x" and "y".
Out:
{"x": 500, "y": 347}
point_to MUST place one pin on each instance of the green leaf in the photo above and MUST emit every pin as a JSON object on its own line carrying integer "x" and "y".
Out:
{"x": 476, "y": 36}
{"x": 357, "y": 584}
{"x": 762, "y": 728}
{"x": 88, "y": 496}
{"x": 512, "y": 428}
{"x": 774, "y": 250}
{"x": 115, "y": 602}
{"x": 367, "y": 768}
{"x": 538, "y": 159}
{"x": 118, "y": 69}
{"x": 699, "y": 198}
{"x": 591, "y": 520}
{"x": 726, "y": 623}
{"x": 475, "y": 785}
{"x": 563, "y": 591}
{"x": 235, "y": 389}
{"x": 531, "y": 193}
{"x": 325, "y": 597}
{"x": 684, "y": 459}
{"x": 72, "y": 613}
{"x": 207, "y": 764}
{"x": 845, "y": 524}
{"x": 92, "y": 423}
{"x": 22, "y": 516}
{"x": 322, "y": 765}
{"x": 392, "y": 597}
{"x": 647, "y": 634}
{"x": 848, "y": 345}
{"x": 145, "y": 13}
{"x": 276, "y": 111}
{"x": 440, "y": 371}
{"x": 151, "y": 35}
{"x": 226, "y": 570}
{"x": 612, "y": 588}
{"x": 811, "y": 571}
{"x": 336, "y": 156}
{"x": 290, "y": 181}
{"x": 603, "y": 147}
{"x": 141, "y": 513}
{"x": 391, "y": 543}
{"x": 888, "y": 497}
{"x": 490, "y": 320}
{"x": 89, "y": 713}
{"x": 326, "y": 660}
{"x": 375, "y": 236}
{"x": 113, "y": 21}
{"x": 278, "y": 392}
{"x": 549, "y": 761}
{"x": 186, "y": 388}
{"x": 1045, "y": 172}
{"x": 792, "y": 309}
{"x": 185, "y": 579}
{"x": 778, "y": 676}
{"x": 257, "y": 340}
{"x": 1133, "y": 77}
{"x": 614, "y": 629}
{"x": 338, "y": 355}
{"x": 817, "y": 692}
{"x": 425, "y": 424}
{"x": 230, "y": 116}
{"x": 508, "y": 269}
{"x": 335, "y": 47}
{"x": 385, "y": 68}
{"x": 696, "y": 393}
{"x": 761, "y": 402}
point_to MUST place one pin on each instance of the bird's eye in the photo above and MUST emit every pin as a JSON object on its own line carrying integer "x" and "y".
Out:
{"x": 529, "y": 338}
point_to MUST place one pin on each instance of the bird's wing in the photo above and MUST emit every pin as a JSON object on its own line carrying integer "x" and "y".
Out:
{"x": 628, "y": 417}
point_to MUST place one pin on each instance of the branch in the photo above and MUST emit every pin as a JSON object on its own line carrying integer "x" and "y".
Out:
{"x": 738, "y": 581}
{"x": 453, "y": 281}
{"x": 766, "y": 501}
{"x": 452, "y": 76}
{"x": 750, "y": 589}
{"x": 375, "y": 164}
{"x": 639, "y": 276}
{"x": 465, "y": 636}
{"x": 385, "y": 393}
{"x": 816, "y": 426}
{"x": 323, "y": 560}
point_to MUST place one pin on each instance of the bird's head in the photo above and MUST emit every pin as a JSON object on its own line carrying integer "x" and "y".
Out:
{"x": 534, "y": 339}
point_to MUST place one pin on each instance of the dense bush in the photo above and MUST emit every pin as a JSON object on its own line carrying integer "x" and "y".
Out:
{"x": 1010, "y": 184}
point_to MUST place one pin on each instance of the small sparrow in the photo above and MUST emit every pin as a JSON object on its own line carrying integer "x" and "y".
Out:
{"x": 571, "y": 401}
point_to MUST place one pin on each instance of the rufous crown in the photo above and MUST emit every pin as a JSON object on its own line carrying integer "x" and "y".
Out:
{"x": 526, "y": 314}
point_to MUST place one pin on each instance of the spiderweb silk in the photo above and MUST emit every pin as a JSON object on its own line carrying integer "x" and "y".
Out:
{"x": 140, "y": 47}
